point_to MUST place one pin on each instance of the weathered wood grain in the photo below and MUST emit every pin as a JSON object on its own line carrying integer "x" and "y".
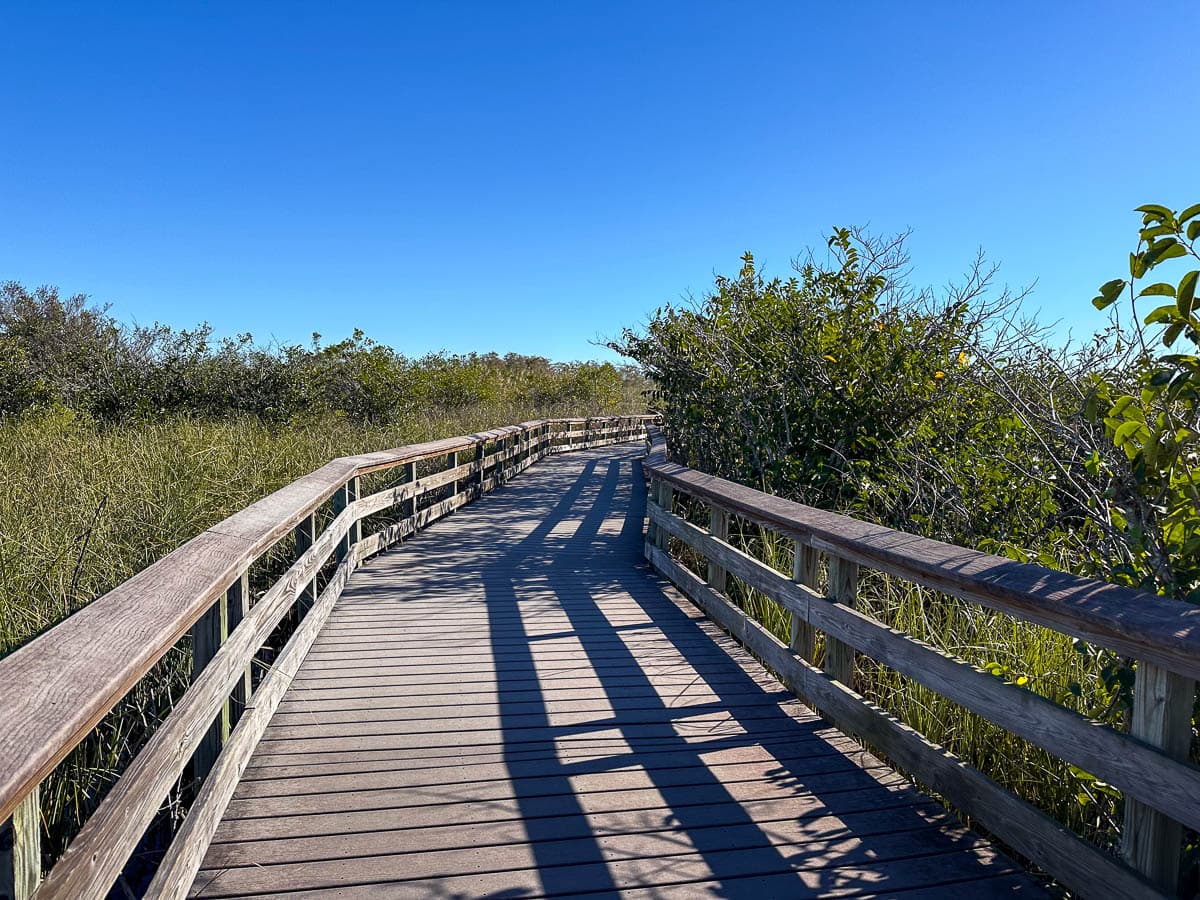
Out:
{"x": 1162, "y": 716}
{"x": 187, "y": 850}
{"x": 21, "y": 849}
{"x": 512, "y": 704}
{"x": 1159, "y": 779}
{"x": 1134, "y": 623}
{"x": 81, "y": 668}
{"x": 806, "y": 569}
{"x": 1077, "y": 864}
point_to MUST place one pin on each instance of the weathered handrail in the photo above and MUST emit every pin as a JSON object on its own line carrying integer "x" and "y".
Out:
{"x": 1150, "y": 765}
{"x": 59, "y": 686}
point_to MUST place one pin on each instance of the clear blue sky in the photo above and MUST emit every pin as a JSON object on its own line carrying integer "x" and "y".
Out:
{"x": 527, "y": 176}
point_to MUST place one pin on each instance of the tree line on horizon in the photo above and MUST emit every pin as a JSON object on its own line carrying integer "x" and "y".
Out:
{"x": 66, "y": 352}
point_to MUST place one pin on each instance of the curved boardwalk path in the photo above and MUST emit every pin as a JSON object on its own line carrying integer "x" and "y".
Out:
{"x": 512, "y": 705}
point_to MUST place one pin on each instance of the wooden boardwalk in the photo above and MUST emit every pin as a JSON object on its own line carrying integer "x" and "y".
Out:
{"x": 512, "y": 705}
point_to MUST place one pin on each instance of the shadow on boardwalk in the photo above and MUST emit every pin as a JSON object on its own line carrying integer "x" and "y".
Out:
{"x": 515, "y": 706}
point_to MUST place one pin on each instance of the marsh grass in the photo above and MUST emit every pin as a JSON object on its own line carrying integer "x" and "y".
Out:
{"x": 84, "y": 506}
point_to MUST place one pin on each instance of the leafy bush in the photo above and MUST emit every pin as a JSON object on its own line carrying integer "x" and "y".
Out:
{"x": 65, "y": 352}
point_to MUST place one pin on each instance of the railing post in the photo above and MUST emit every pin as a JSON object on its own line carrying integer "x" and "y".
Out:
{"x": 345, "y": 496}
{"x": 718, "y": 527}
{"x": 408, "y": 509}
{"x": 843, "y": 588}
{"x": 452, "y": 460}
{"x": 21, "y": 849}
{"x": 237, "y": 604}
{"x": 306, "y": 533}
{"x": 805, "y": 571}
{"x": 1151, "y": 842}
{"x": 666, "y": 500}
{"x": 480, "y": 467}
{"x": 208, "y": 634}
{"x": 651, "y": 495}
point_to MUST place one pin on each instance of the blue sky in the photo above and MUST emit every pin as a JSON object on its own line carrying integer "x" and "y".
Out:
{"x": 529, "y": 176}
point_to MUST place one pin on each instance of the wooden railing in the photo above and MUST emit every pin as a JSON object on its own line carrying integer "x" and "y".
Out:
{"x": 1149, "y": 764}
{"x": 54, "y": 690}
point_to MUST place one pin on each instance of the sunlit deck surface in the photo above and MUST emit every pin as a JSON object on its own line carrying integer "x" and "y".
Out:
{"x": 512, "y": 705}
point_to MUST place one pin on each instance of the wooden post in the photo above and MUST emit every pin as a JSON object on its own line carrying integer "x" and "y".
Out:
{"x": 208, "y": 634}
{"x": 651, "y": 528}
{"x": 408, "y": 508}
{"x": 480, "y": 467}
{"x": 306, "y": 533}
{"x": 452, "y": 463}
{"x": 843, "y": 588}
{"x": 1151, "y": 842}
{"x": 666, "y": 500}
{"x": 237, "y": 604}
{"x": 344, "y": 496}
{"x": 21, "y": 849}
{"x": 718, "y": 527}
{"x": 805, "y": 571}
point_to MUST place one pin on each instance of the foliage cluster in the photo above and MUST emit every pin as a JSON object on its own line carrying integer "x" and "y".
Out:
{"x": 951, "y": 415}
{"x": 56, "y": 350}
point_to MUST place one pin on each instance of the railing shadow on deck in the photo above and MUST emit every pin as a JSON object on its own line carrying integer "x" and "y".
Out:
{"x": 699, "y": 816}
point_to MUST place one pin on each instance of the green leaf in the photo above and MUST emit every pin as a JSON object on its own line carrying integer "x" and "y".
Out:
{"x": 1126, "y": 432}
{"x": 1161, "y": 289}
{"x": 1137, "y": 268}
{"x": 1186, "y": 298}
{"x": 1153, "y": 209}
{"x": 1172, "y": 333}
{"x": 1160, "y": 251}
{"x": 1193, "y": 210}
{"x": 1193, "y": 230}
{"x": 1109, "y": 292}
{"x": 1161, "y": 314}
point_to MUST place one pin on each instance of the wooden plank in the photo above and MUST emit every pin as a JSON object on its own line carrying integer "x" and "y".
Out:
{"x": 237, "y": 605}
{"x": 208, "y": 634}
{"x": 1162, "y": 716}
{"x": 1133, "y": 766}
{"x": 718, "y": 527}
{"x": 68, "y": 684}
{"x": 1134, "y": 623}
{"x": 1078, "y": 865}
{"x": 557, "y": 729}
{"x": 86, "y": 664}
{"x": 843, "y": 590}
{"x": 21, "y": 849}
{"x": 805, "y": 571}
{"x": 187, "y": 849}
{"x": 97, "y": 855}
{"x": 344, "y": 497}
{"x": 624, "y": 860}
{"x": 306, "y": 534}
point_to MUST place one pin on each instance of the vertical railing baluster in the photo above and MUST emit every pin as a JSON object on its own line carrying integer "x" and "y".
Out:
{"x": 21, "y": 849}
{"x": 306, "y": 533}
{"x": 651, "y": 527}
{"x": 843, "y": 588}
{"x": 806, "y": 565}
{"x": 718, "y": 527}
{"x": 344, "y": 497}
{"x": 208, "y": 634}
{"x": 237, "y": 604}
{"x": 666, "y": 502}
{"x": 1152, "y": 842}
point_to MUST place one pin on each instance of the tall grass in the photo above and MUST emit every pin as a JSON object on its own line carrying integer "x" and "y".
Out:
{"x": 84, "y": 506}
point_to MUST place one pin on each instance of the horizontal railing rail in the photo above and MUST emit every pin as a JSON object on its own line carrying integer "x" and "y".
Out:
{"x": 57, "y": 688}
{"x": 1149, "y": 764}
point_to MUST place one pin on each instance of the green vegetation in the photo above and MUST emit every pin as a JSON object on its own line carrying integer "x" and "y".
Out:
{"x": 952, "y": 416}
{"x": 118, "y": 444}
